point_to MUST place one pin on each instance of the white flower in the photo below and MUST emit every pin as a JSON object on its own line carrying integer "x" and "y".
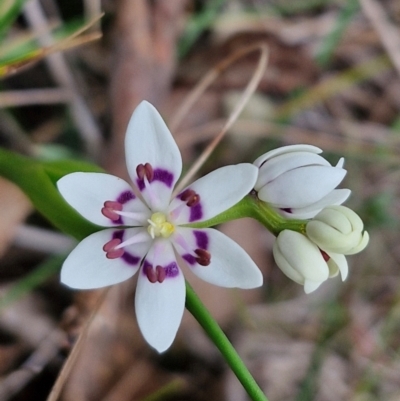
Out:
{"x": 299, "y": 182}
{"x": 303, "y": 262}
{"x": 148, "y": 229}
{"x": 338, "y": 229}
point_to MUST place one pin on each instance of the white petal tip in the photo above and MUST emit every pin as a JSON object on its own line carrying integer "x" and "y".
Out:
{"x": 340, "y": 163}
{"x": 254, "y": 279}
{"x": 311, "y": 286}
{"x": 160, "y": 346}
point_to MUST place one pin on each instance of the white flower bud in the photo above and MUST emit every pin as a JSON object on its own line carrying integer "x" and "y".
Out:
{"x": 299, "y": 258}
{"x": 303, "y": 262}
{"x": 338, "y": 229}
{"x": 299, "y": 182}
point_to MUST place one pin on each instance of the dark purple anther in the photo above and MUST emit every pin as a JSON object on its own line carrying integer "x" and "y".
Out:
{"x": 150, "y": 273}
{"x": 160, "y": 273}
{"x": 158, "y": 174}
{"x": 154, "y": 275}
{"x": 324, "y": 255}
{"x": 204, "y": 257}
{"x": 111, "y": 252}
{"x": 190, "y": 197}
{"x": 109, "y": 210}
{"x": 145, "y": 170}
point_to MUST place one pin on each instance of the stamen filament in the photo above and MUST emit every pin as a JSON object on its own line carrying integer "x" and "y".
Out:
{"x": 151, "y": 222}
{"x": 174, "y": 214}
{"x": 152, "y": 196}
{"x": 132, "y": 215}
{"x": 135, "y": 239}
{"x": 151, "y": 232}
{"x": 181, "y": 241}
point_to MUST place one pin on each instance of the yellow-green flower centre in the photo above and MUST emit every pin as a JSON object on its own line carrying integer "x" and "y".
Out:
{"x": 158, "y": 225}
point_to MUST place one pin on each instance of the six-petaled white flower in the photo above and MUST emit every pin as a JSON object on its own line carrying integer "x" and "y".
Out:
{"x": 299, "y": 182}
{"x": 303, "y": 262}
{"x": 149, "y": 229}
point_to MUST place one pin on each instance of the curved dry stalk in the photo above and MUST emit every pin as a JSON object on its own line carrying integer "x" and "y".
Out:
{"x": 70, "y": 362}
{"x": 188, "y": 103}
{"x": 388, "y": 32}
{"x": 83, "y": 118}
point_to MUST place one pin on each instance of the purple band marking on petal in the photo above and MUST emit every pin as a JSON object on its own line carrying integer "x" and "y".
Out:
{"x": 171, "y": 270}
{"x": 196, "y": 213}
{"x": 125, "y": 197}
{"x": 140, "y": 184}
{"x": 189, "y": 258}
{"x": 126, "y": 257}
{"x": 118, "y": 234}
{"x": 163, "y": 176}
{"x": 130, "y": 259}
{"x": 146, "y": 265}
{"x": 118, "y": 222}
{"x": 201, "y": 239}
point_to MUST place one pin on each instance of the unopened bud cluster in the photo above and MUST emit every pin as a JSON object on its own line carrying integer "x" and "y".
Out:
{"x": 298, "y": 182}
{"x": 301, "y": 184}
{"x": 338, "y": 229}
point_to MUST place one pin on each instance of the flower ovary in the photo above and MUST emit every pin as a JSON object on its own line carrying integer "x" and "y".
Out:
{"x": 159, "y": 226}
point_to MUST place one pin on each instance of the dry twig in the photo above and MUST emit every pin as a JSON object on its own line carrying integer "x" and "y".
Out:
{"x": 62, "y": 74}
{"x": 389, "y": 34}
{"x": 203, "y": 85}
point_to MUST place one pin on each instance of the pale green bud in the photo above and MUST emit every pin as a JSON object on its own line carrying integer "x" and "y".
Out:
{"x": 338, "y": 229}
{"x": 302, "y": 261}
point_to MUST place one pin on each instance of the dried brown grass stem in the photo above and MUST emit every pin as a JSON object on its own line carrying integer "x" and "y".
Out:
{"x": 208, "y": 79}
{"x": 70, "y": 362}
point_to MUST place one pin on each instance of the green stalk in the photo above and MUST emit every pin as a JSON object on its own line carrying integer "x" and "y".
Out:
{"x": 218, "y": 337}
{"x": 251, "y": 206}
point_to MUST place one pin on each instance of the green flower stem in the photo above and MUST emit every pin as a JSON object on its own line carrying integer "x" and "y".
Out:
{"x": 251, "y": 206}
{"x": 218, "y": 337}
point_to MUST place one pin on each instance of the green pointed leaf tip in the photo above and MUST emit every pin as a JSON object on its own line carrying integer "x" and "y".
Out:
{"x": 9, "y": 11}
{"x": 38, "y": 181}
